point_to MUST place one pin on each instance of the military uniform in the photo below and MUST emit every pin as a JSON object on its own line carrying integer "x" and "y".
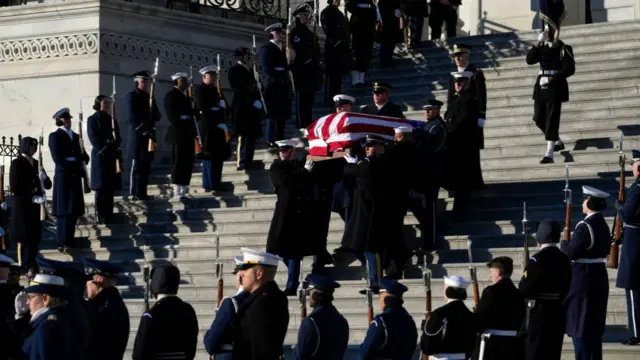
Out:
{"x": 142, "y": 119}
{"x": 629, "y": 266}
{"x": 390, "y": 32}
{"x": 7, "y": 313}
{"x": 336, "y": 49}
{"x": 218, "y": 339}
{"x": 362, "y": 27}
{"x": 443, "y": 13}
{"x": 388, "y": 108}
{"x": 553, "y": 10}
{"x": 68, "y": 195}
{"x": 416, "y": 11}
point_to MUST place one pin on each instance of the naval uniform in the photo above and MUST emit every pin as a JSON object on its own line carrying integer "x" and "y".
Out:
{"x": 478, "y": 87}
{"x": 110, "y": 326}
{"x": 629, "y": 266}
{"x": 391, "y": 335}
{"x": 48, "y": 336}
{"x": 181, "y": 135}
{"x": 218, "y": 339}
{"x": 449, "y": 333}
{"x": 336, "y": 50}
{"x": 68, "y": 194}
{"x": 169, "y": 330}
{"x": 246, "y": 116}
{"x": 362, "y": 26}
{"x": 389, "y": 109}
{"x": 273, "y": 61}
{"x": 306, "y": 71}
{"x": 545, "y": 284}
{"x": 323, "y": 335}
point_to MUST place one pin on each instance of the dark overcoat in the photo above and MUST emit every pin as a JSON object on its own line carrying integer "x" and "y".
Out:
{"x": 323, "y": 335}
{"x": 325, "y": 175}
{"x": 558, "y": 58}
{"x": 110, "y": 326}
{"x": 210, "y": 115}
{"x": 24, "y": 182}
{"x": 81, "y": 318}
{"x": 48, "y": 337}
{"x": 449, "y": 330}
{"x": 390, "y": 32}
{"x": 246, "y": 118}
{"x": 104, "y": 152}
{"x": 431, "y": 148}
{"x": 587, "y": 300}
{"x": 182, "y": 128}
{"x": 68, "y": 195}
{"x": 391, "y": 335}
{"x": 274, "y": 68}
{"x": 10, "y": 341}
{"x": 477, "y": 87}
{"x": 629, "y": 266}
{"x": 306, "y": 69}
{"x": 142, "y": 119}
{"x": 389, "y": 109}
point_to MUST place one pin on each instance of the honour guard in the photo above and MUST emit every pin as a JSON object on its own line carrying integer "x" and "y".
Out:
{"x": 500, "y": 315}
{"x": 261, "y": 324}
{"x": 7, "y": 311}
{"x": 211, "y": 106}
{"x": 110, "y": 326}
{"x": 104, "y": 180}
{"x": 169, "y": 330}
{"x": 218, "y": 340}
{"x": 362, "y": 27}
{"x": 343, "y": 190}
{"x": 324, "y": 334}
{"x": 551, "y": 88}
{"x": 392, "y": 334}
{"x": 382, "y": 106}
{"x": 443, "y": 12}
{"x": 544, "y": 285}
{"x": 449, "y": 333}
{"x": 181, "y": 134}
{"x": 416, "y": 11}
{"x": 68, "y": 196}
{"x": 586, "y": 302}
{"x": 306, "y": 69}
{"x": 142, "y": 120}
{"x": 273, "y": 61}
{"x": 336, "y": 48}
{"x": 246, "y": 108}
{"x": 390, "y": 32}
{"x": 629, "y": 268}
{"x": 25, "y": 183}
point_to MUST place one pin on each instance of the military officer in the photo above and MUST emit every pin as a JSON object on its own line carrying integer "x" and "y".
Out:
{"x": 275, "y": 69}
{"x": 362, "y": 27}
{"x": 218, "y": 340}
{"x": 323, "y": 334}
{"x": 449, "y": 333}
{"x": 391, "y": 31}
{"x": 343, "y": 190}
{"x": 544, "y": 285}
{"x": 246, "y": 108}
{"x": 181, "y": 134}
{"x": 392, "y": 334}
{"x": 169, "y": 330}
{"x": 629, "y": 265}
{"x": 68, "y": 196}
{"x": 306, "y": 65}
{"x": 261, "y": 323}
{"x": 104, "y": 180}
{"x": 26, "y": 184}
{"x": 477, "y": 86}
{"x": 443, "y": 12}
{"x": 211, "y": 106}
{"x": 500, "y": 314}
{"x": 336, "y": 48}
{"x": 381, "y": 104}
{"x": 551, "y": 88}
{"x": 143, "y": 114}
{"x": 416, "y": 11}
{"x": 7, "y": 311}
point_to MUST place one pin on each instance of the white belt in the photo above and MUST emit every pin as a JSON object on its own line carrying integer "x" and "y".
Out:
{"x": 548, "y": 72}
{"x": 632, "y": 226}
{"x": 364, "y": 6}
{"x": 457, "y": 356}
{"x": 185, "y": 117}
{"x": 494, "y": 332}
{"x": 215, "y": 108}
{"x": 589, "y": 261}
{"x": 227, "y": 347}
{"x": 280, "y": 68}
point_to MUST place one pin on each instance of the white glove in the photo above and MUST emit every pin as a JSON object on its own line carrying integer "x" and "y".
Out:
{"x": 223, "y": 104}
{"x": 257, "y": 104}
{"x": 481, "y": 122}
{"x": 37, "y": 200}
{"x": 3, "y": 206}
{"x": 350, "y": 159}
{"x": 2, "y": 232}
{"x": 542, "y": 37}
{"x": 20, "y": 304}
{"x": 223, "y": 127}
{"x": 309, "y": 165}
{"x": 397, "y": 13}
{"x": 43, "y": 176}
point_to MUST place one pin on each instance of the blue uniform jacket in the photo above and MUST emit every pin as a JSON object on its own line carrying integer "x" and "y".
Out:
{"x": 48, "y": 337}
{"x": 68, "y": 195}
{"x": 141, "y": 122}
{"x": 586, "y": 302}
{"x": 218, "y": 339}
{"x": 110, "y": 326}
{"x": 431, "y": 143}
{"x": 306, "y": 65}
{"x": 629, "y": 267}
{"x": 323, "y": 335}
{"x": 274, "y": 67}
{"x": 104, "y": 152}
{"x": 391, "y": 335}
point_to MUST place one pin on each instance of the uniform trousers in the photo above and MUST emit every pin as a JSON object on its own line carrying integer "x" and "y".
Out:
{"x": 304, "y": 103}
{"x": 182, "y": 168}
{"x": 211, "y": 174}
{"x": 633, "y": 311}
{"x": 246, "y": 150}
{"x": 65, "y": 229}
{"x": 334, "y": 63}
{"x": 104, "y": 203}
{"x": 27, "y": 254}
{"x": 414, "y": 31}
{"x": 280, "y": 123}
{"x": 373, "y": 266}
{"x": 588, "y": 347}
{"x": 424, "y": 211}
{"x": 386, "y": 53}
{"x": 546, "y": 115}
{"x": 293, "y": 269}
{"x": 362, "y": 43}
{"x": 139, "y": 177}
{"x": 442, "y": 14}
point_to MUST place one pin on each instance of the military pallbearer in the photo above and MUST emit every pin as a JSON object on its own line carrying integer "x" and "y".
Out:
{"x": 277, "y": 84}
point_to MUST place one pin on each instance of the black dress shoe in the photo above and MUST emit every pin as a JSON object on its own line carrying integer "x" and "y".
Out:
{"x": 632, "y": 342}
{"x": 558, "y": 147}
{"x": 63, "y": 248}
{"x": 546, "y": 160}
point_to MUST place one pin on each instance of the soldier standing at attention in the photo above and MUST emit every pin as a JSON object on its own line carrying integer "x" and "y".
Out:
{"x": 443, "y": 12}
{"x": 336, "y": 48}
{"x": 629, "y": 266}
{"x": 68, "y": 196}
{"x": 381, "y": 104}
{"x": 181, "y": 134}
{"x": 416, "y": 11}
{"x": 390, "y": 32}
{"x": 142, "y": 119}
{"x": 275, "y": 68}
{"x": 362, "y": 26}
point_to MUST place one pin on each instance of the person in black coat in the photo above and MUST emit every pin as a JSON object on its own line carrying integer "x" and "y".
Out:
{"x": 170, "y": 328}
{"x": 246, "y": 108}
{"x": 462, "y": 121}
{"x": 68, "y": 195}
{"x": 261, "y": 324}
{"x": 211, "y": 106}
{"x": 104, "y": 179}
{"x": 416, "y": 11}
{"x": 443, "y": 12}
{"x": 336, "y": 48}
{"x": 500, "y": 314}
{"x": 381, "y": 104}
{"x": 28, "y": 196}
{"x": 143, "y": 114}
{"x": 544, "y": 285}
{"x": 390, "y": 32}
{"x": 362, "y": 27}
{"x": 7, "y": 309}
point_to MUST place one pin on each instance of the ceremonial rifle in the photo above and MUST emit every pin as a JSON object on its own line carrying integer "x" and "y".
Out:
{"x": 227, "y": 134}
{"x": 525, "y": 232}
{"x": 116, "y": 131}
{"x": 617, "y": 224}
{"x": 474, "y": 278}
{"x": 256, "y": 75}
{"x": 147, "y": 278}
{"x": 369, "y": 295}
{"x": 567, "y": 200}
{"x": 3, "y": 242}
{"x": 426, "y": 276}
{"x": 302, "y": 295}
{"x": 152, "y": 94}
{"x": 219, "y": 272}
{"x": 198, "y": 140}
{"x": 85, "y": 173}
{"x": 288, "y": 54}
{"x": 43, "y": 206}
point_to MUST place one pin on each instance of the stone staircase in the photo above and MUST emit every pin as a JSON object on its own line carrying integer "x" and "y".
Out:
{"x": 604, "y": 95}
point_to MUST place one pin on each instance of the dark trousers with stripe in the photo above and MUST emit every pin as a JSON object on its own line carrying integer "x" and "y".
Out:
{"x": 182, "y": 168}
{"x": 246, "y": 150}
{"x": 414, "y": 31}
{"x": 104, "y": 203}
{"x": 546, "y": 115}
{"x": 211, "y": 174}
{"x": 588, "y": 347}
{"x": 65, "y": 229}
{"x": 633, "y": 311}
{"x": 139, "y": 178}
{"x": 27, "y": 254}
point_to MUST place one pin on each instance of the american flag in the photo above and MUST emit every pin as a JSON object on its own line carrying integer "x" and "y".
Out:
{"x": 337, "y": 131}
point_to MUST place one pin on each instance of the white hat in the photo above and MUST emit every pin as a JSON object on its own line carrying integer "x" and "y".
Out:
{"x": 274, "y": 27}
{"x": 342, "y": 98}
{"x": 255, "y": 257}
{"x": 47, "y": 279}
{"x": 179, "y": 75}
{"x": 288, "y": 143}
{"x": 455, "y": 281}
{"x": 239, "y": 260}
{"x": 208, "y": 69}
{"x": 6, "y": 261}
{"x": 462, "y": 74}
{"x": 403, "y": 129}
{"x": 62, "y": 112}
{"x": 593, "y": 192}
